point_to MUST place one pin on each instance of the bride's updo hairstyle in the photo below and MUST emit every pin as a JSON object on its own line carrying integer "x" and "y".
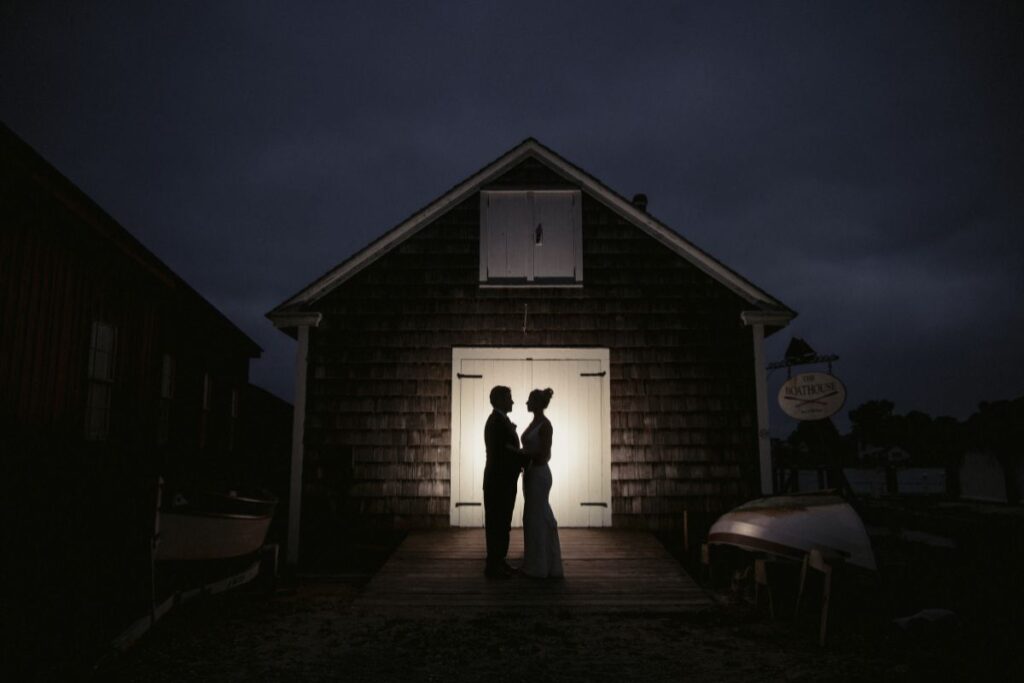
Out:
{"x": 541, "y": 397}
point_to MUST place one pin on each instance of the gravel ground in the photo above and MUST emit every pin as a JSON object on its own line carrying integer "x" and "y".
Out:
{"x": 310, "y": 632}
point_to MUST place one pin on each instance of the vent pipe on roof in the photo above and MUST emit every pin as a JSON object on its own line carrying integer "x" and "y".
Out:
{"x": 640, "y": 201}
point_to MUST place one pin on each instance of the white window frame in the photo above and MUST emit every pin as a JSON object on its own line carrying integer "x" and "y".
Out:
{"x": 167, "y": 378}
{"x": 233, "y": 419}
{"x": 531, "y": 279}
{"x": 207, "y": 392}
{"x": 205, "y": 409}
{"x": 101, "y": 381}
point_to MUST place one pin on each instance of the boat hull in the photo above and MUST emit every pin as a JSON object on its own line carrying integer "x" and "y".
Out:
{"x": 209, "y": 536}
{"x": 791, "y": 526}
{"x": 255, "y": 504}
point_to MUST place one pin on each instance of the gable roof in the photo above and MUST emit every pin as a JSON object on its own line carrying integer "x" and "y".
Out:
{"x": 286, "y": 314}
{"x": 20, "y": 158}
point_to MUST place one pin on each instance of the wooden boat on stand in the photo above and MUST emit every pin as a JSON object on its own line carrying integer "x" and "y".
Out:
{"x": 213, "y": 526}
{"x": 794, "y": 525}
{"x": 820, "y": 529}
{"x": 203, "y": 543}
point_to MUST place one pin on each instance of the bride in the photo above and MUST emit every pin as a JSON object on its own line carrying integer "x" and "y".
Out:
{"x": 543, "y": 554}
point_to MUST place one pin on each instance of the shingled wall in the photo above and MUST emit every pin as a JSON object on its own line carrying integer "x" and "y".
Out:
{"x": 379, "y": 391}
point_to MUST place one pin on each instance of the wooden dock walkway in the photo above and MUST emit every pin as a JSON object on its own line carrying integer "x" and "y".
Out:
{"x": 605, "y": 570}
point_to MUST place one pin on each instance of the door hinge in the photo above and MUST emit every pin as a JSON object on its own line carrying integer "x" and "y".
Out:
{"x": 595, "y": 505}
{"x": 462, "y": 376}
{"x": 463, "y": 504}
{"x": 593, "y": 374}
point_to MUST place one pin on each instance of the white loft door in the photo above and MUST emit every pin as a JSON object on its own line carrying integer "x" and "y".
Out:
{"x": 580, "y": 460}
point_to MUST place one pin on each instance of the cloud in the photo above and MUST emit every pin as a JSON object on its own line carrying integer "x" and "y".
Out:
{"x": 861, "y": 162}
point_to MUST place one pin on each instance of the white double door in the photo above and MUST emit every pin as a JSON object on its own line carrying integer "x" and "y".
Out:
{"x": 579, "y": 413}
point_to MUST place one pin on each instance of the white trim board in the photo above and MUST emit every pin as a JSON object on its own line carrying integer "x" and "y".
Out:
{"x": 531, "y": 148}
{"x": 298, "y": 447}
{"x": 764, "y": 442}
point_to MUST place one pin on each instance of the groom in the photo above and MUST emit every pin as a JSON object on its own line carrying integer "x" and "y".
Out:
{"x": 501, "y": 478}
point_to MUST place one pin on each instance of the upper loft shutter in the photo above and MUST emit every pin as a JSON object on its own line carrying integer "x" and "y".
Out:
{"x": 506, "y": 217}
{"x": 528, "y": 236}
{"x": 555, "y": 235}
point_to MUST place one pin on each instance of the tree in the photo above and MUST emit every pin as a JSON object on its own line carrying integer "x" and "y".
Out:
{"x": 998, "y": 427}
{"x": 873, "y": 423}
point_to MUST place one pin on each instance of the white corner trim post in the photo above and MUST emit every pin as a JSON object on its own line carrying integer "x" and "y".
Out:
{"x": 764, "y": 442}
{"x": 301, "y": 321}
{"x": 757, "y": 320}
{"x": 298, "y": 431}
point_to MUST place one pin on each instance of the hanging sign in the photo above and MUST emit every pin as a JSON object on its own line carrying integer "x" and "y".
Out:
{"x": 812, "y": 396}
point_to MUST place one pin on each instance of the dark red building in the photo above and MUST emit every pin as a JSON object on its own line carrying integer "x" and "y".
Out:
{"x": 113, "y": 371}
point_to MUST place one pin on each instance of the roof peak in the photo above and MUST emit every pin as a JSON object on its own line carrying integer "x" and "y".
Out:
{"x": 530, "y": 146}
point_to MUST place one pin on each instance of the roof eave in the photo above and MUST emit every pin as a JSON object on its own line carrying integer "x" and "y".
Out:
{"x": 772, "y": 319}
{"x": 289, "y": 321}
{"x": 105, "y": 227}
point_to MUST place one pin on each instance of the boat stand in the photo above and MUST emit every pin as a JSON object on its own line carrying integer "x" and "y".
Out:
{"x": 820, "y": 561}
{"x": 266, "y": 562}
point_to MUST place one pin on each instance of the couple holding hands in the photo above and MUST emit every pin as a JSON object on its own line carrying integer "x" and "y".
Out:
{"x": 506, "y": 458}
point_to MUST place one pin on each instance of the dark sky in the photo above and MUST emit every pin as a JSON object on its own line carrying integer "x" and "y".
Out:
{"x": 863, "y": 164}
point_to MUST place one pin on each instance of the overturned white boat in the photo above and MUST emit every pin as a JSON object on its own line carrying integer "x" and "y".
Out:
{"x": 793, "y": 525}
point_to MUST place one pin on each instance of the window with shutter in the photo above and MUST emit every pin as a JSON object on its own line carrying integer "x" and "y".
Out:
{"x": 233, "y": 423}
{"x": 204, "y": 415}
{"x": 530, "y": 237}
{"x": 166, "y": 396}
{"x": 102, "y": 347}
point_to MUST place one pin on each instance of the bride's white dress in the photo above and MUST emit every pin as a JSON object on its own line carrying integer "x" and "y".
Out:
{"x": 543, "y": 554}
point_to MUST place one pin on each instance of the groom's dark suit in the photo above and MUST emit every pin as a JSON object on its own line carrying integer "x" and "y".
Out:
{"x": 501, "y": 476}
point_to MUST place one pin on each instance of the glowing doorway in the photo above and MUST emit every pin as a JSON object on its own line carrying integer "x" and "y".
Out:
{"x": 579, "y": 412}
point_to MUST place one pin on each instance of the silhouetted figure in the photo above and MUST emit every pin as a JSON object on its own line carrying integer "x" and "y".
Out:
{"x": 542, "y": 558}
{"x": 501, "y": 477}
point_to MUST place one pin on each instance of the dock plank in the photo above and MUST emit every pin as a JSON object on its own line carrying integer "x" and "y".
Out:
{"x": 605, "y": 570}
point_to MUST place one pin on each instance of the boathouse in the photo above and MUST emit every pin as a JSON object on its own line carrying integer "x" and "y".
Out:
{"x": 529, "y": 273}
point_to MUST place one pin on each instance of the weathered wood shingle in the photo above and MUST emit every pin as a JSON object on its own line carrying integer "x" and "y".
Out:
{"x": 682, "y": 387}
